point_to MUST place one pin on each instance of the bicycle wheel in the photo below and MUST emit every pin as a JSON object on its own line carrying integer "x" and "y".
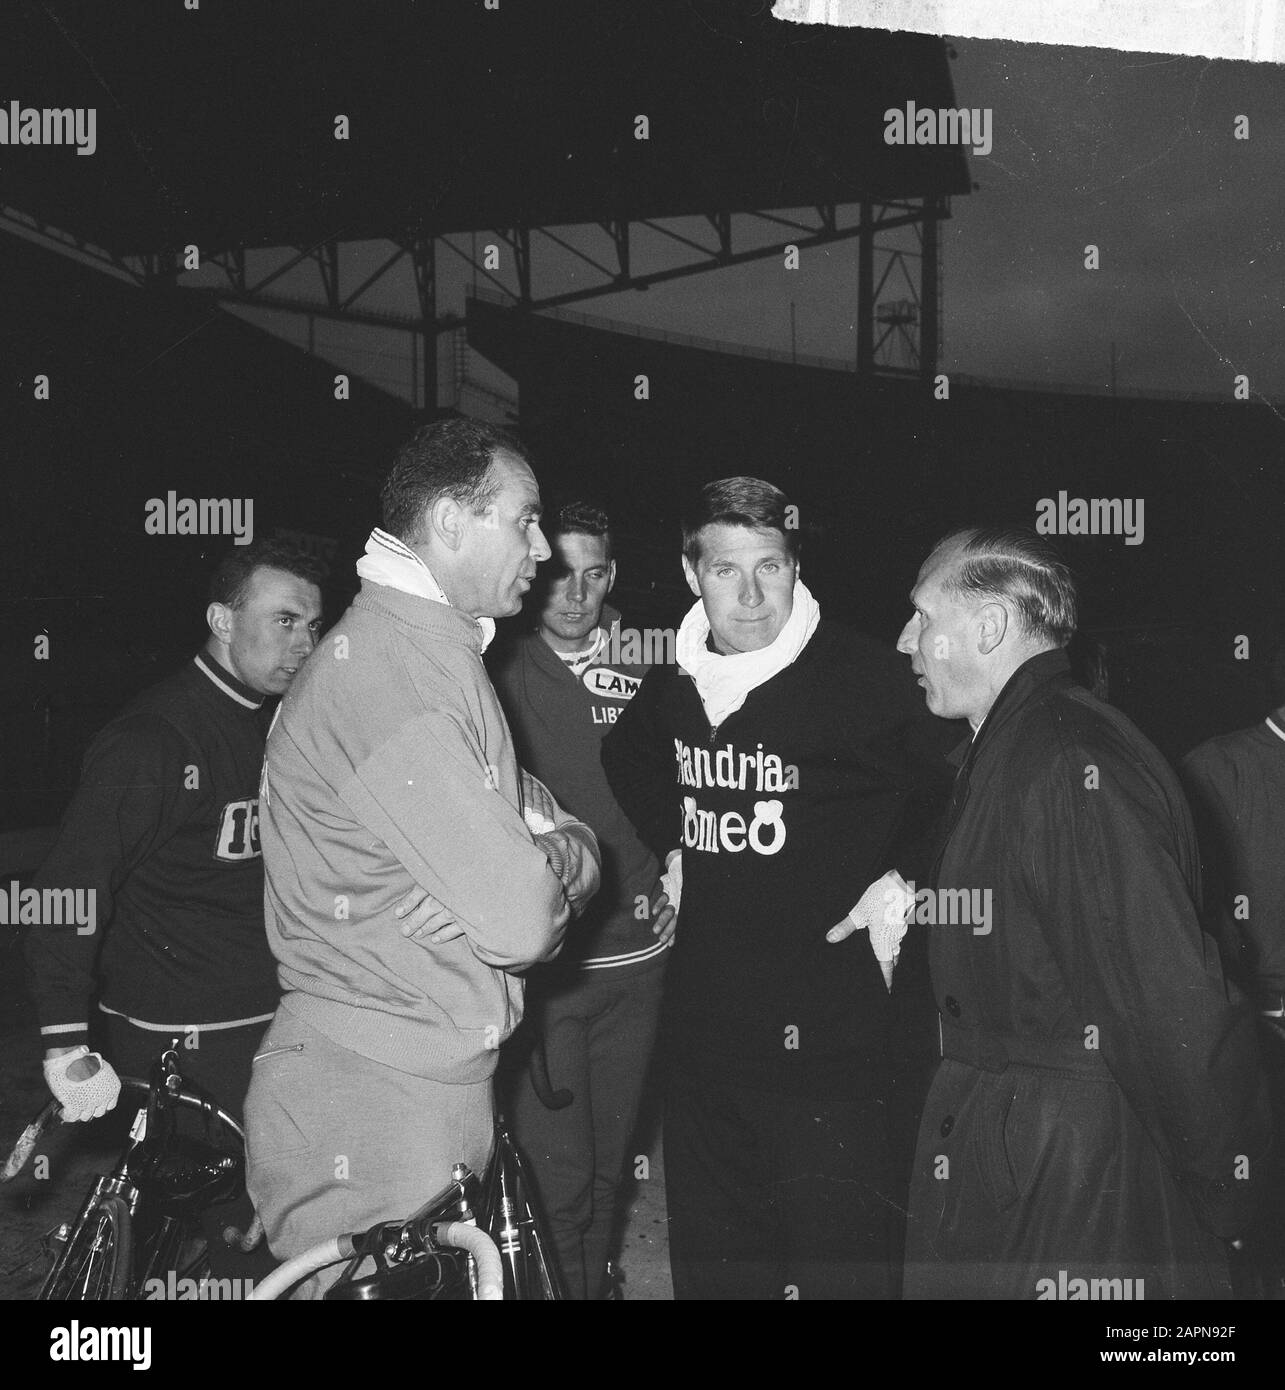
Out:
{"x": 98, "y": 1260}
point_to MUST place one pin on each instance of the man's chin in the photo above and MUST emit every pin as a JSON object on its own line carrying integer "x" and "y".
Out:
{"x": 752, "y": 638}
{"x": 939, "y": 706}
{"x": 567, "y": 633}
{"x": 740, "y": 647}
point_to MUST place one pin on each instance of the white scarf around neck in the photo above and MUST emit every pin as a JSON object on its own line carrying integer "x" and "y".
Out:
{"x": 723, "y": 682}
{"x": 390, "y": 562}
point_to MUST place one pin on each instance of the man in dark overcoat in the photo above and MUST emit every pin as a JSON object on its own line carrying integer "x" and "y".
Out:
{"x": 1098, "y": 1116}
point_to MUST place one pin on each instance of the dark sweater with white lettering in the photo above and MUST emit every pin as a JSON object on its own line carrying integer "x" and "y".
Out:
{"x": 164, "y": 829}
{"x": 828, "y": 775}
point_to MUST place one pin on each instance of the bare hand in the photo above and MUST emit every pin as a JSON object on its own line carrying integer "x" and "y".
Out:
{"x": 841, "y": 931}
{"x": 538, "y": 798}
{"x": 422, "y": 917}
{"x": 665, "y": 919}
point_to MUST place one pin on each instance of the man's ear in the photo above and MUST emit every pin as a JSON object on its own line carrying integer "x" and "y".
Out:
{"x": 445, "y": 521}
{"x": 992, "y": 627}
{"x": 219, "y": 618}
{"x": 611, "y": 576}
{"x": 692, "y": 582}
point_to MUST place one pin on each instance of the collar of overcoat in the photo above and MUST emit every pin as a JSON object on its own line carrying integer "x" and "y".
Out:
{"x": 1020, "y": 687}
{"x": 1029, "y": 678}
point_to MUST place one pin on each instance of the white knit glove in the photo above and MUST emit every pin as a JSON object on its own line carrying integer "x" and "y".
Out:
{"x": 82, "y": 1100}
{"x": 882, "y": 911}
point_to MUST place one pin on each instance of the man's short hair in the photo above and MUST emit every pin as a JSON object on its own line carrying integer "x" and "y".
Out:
{"x": 580, "y": 518}
{"x": 737, "y": 502}
{"x": 229, "y": 582}
{"x": 449, "y": 458}
{"x": 1020, "y": 567}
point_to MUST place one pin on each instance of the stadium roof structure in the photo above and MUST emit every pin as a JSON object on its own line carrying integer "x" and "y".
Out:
{"x": 216, "y": 126}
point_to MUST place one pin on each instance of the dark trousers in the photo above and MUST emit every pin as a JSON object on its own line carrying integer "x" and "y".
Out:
{"x": 220, "y": 1064}
{"x": 1267, "y": 1243}
{"x": 778, "y": 1197}
{"x": 598, "y": 1028}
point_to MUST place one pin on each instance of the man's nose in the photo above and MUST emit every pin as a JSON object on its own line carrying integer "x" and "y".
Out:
{"x": 540, "y": 548}
{"x": 751, "y": 594}
{"x": 906, "y": 642}
{"x": 576, "y": 588}
{"x": 309, "y": 639}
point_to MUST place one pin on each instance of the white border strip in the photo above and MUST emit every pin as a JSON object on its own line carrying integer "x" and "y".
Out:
{"x": 1247, "y": 31}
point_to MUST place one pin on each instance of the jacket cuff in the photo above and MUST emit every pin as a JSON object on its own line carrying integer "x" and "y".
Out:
{"x": 557, "y": 859}
{"x": 580, "y": 832}
{"x": 64, "y": 1035}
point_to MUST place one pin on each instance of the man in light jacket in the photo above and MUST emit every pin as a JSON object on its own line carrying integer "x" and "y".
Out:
{"x": 391, "y": 773}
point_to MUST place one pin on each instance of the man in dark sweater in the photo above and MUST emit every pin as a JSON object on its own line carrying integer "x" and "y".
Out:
{"x": 163, "y": 834}
{"x": 1236, "y": 784}
{"x": 789, "y": 763}
{"x": 592, "y": 1014}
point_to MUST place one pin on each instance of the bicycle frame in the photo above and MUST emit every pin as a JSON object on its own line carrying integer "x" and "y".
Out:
{"x": 102, "y": 1255}
{"x": 512, "y": 1218}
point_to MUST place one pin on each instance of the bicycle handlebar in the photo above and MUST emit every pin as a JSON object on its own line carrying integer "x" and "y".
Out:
{"x": 328, "y": 1252}
{"x": 51, "y": 1115}
{"x": 188, "y": 1100}
{"x": 490, "y": 1267}
{"x": 28, "y": 1139}
{"x": 458, "y": 1235}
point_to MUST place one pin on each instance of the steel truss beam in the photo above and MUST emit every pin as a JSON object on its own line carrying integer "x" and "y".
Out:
{"x": 886, "y": 353}
{"x": 522, "y": 242}
{"x": 29, "y": 228}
